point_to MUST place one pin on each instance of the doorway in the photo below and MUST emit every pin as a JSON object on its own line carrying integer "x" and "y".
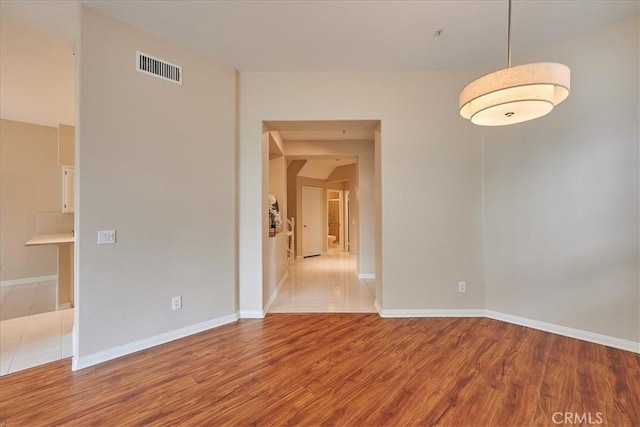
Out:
{"x": 35, "y": 319}
{"x": 335, "y": 221}
{"x": 328, "y": 274}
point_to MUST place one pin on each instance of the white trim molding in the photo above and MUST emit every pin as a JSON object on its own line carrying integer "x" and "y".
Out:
{"x": 273, "y": 296}
{"x": 365, "y": 276}
{"x": 566, "y": 331}
{"x": 376, "y": 305}
{"x": 436, "y": 312}
{"x": 104, "y": 356}
{"x": 251, "y": 314}
{"x": 123, "y": 350}
{"x": 28, "y": 280}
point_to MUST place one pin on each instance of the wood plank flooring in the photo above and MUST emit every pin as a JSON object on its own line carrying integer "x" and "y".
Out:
{"x": 339, "y": 369}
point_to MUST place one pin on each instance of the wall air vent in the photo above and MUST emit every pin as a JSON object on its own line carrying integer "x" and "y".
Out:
{"x": 158, "y": 68}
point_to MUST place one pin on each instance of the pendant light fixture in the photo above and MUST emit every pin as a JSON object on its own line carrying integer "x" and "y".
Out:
{"x": 515, "y": 94}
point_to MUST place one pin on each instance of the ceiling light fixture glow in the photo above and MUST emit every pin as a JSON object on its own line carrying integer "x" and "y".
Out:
{"x": 515, "y": 94}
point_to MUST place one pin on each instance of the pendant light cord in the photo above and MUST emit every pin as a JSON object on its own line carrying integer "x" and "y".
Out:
{"x": 509, "y": 38}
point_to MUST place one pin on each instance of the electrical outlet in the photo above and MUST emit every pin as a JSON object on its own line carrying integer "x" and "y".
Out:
{"x": 106, "y": 236}
{"x": 462, "y": 287}
{"x": 176, "y": 303}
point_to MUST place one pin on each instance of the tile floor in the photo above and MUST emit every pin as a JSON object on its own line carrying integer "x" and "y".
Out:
{"x": 32, "y": 332}
{"x": 34, "y": 340}
{"x": 325, "y": 284}
{"x": 27, "y": 299}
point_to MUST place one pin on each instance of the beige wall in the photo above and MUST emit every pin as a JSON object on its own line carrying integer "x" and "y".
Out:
{"x": 66, "y": 145}
{"x": 561, "y": 195}
{"x": 431, "y": 177}
{"x": 30, "y": 184}
{"x": 292, "y": 196}
{"x": 155, "y": 162}
{"x": 37, "y": 73}
{"x": 378, "y": 213}
{"x": 276, "y": 263}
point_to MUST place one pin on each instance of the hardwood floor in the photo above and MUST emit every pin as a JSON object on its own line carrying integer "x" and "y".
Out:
{"x": 340, "y": 369}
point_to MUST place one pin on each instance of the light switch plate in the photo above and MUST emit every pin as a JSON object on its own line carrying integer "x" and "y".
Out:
{"x": 106, "y": 237}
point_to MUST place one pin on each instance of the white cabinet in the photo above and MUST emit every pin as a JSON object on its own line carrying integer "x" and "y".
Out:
{"x": 68, "y": 189}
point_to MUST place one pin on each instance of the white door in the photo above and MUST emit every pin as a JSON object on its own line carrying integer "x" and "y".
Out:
{"x": 311, "y": 221}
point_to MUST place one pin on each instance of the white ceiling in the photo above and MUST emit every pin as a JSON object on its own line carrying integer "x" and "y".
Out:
{"x": 323, "y": 35}
{"x": 38, "y": 37}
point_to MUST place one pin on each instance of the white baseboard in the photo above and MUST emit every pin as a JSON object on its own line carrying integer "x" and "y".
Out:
{"x": 251, "y": 314}
{"x": 459, "y": 312}
{"x": 376, "y": 305}
{"x": 27, "y": 280}
{"x": 566, "y": 331}
{"x": 273, "y": 296}
{"x": 364, "y": 276}
{"x": 104, "y": 356}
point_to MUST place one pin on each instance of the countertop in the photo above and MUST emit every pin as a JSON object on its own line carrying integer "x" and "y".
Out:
{"x": 50, "y": 239}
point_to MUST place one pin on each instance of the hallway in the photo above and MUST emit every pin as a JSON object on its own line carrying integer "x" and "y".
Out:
{"x": 325, "y": 284}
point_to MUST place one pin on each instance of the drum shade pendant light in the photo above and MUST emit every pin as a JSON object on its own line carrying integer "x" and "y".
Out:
{"x": 515, "y": 94}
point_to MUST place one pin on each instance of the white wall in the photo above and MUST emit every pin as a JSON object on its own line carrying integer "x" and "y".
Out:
{"x": 561, "y": 195}
{"x": 430, "y": 176}
{"x": 155, "y": 163}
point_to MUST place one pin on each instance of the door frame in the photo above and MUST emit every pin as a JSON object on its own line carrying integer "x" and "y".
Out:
{"x": 340, "y": 216}
{"x": 347, "y": 218}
